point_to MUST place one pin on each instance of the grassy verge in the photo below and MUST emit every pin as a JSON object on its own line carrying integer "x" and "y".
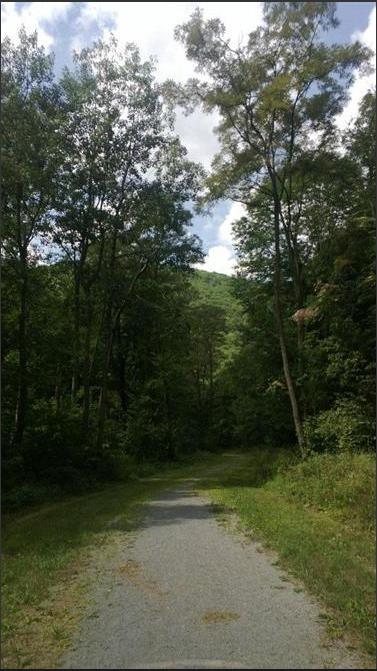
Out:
{"x": 44, "y": 556}
{"x": 320, "y": 518}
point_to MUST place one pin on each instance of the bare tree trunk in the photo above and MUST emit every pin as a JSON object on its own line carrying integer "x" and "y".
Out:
{"x": 280, "y": 325}
{"x": 298, "y": 286}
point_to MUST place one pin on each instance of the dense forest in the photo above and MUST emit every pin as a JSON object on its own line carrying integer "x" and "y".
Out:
{"x": 116, "y": 352}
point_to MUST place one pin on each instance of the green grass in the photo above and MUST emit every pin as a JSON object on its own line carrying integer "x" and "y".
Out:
{"x": 319, "y": 516}
{"x": 44, "y": 552}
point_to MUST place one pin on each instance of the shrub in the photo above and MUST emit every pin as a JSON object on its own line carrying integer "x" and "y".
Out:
{"x": 116, "y": 465}
{"x": 346, "y": 426}
{"x": 29, "y": 494}
{"x": 54, "y": 441}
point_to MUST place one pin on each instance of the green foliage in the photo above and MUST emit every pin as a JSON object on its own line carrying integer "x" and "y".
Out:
{"x": 348, "y": 425}
{"x": 273, "y": 93}
{"x": 116, "y": 465}
{"x": 118, "y": 353}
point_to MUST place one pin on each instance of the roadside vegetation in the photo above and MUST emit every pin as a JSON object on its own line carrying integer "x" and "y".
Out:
{"x": 319, "y": 517}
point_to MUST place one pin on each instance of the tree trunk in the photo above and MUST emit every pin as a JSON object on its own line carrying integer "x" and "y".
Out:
{"x": 57, "y": 393}
{"x": 108, "y": 344}
{"x": 86, "y": 369}
{"x": 298, "y": 286}
{"x": 22, "y": 395}
{"x": 21, "y": 405}
{"x": 121, "y": 369}
{"x": 75, "y": 343}
{"x": 111, "y": 321}
{"x": 104, "y": 385}
{"x": 171, "y": 455}
{"x": 280, "y": 325}
{"x": 210, "y": 408}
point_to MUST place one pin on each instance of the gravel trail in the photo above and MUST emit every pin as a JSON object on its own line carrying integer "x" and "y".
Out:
{"x": 185, "y": 593}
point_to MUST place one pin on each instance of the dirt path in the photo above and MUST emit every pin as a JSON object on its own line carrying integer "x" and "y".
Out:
{"x": 185, "y": 593}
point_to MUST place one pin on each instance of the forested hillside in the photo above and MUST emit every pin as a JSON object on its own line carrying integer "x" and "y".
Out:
{"x": 218, "y": 289}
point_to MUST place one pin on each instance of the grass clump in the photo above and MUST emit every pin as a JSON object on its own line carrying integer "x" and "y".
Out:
{"x": 319, "y": 515}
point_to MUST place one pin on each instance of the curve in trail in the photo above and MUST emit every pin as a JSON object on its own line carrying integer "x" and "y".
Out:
{"x": 184, "y": 593}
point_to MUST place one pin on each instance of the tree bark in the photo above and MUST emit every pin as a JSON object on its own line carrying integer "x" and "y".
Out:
{"x": 121, "y": 368}
{"x": 57, "y": 392}
{"x": 280, "y": 325}
{"x": 108, "y": 344}
{"x": 22, "y": 395}
{"x": 75, "y": 343}
{"x": 104, "y": 385}
{"x": 22, "y": 392}
{"x": 86, "y": 368}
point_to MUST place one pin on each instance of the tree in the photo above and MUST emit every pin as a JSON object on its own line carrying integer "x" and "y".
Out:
{"x": 272, "y": 94}
{"x": 30, "y": 117}
{"x": 207, "y": 325}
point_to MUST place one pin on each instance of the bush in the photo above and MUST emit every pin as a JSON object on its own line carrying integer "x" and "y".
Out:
{"x": 29, "y": 495}
{"x": 346, "y": 426}
{"x": 54, "y": 441}
{"x": 116, "y": 465}
{"x": 12, "y": 472}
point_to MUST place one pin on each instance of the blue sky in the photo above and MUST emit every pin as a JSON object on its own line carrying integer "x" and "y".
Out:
{"x": 64, "y": 26}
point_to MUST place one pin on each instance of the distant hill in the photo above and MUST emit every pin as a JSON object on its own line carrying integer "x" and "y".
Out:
{"x": 217, "y": 289}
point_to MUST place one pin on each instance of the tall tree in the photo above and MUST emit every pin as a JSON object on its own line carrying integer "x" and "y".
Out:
{"x": 272, "y": 95}
{"x": 30, "y": 117}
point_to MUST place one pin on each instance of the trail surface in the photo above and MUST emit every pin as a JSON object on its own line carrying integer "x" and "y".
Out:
{"x": 185, "y": 593}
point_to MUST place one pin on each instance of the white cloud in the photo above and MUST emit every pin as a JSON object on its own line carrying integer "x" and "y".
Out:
{"x": 221, "y": 257}
{"x": 196, "y": 133}
{"x": 368, "y": 36}
{"x": 31, "y": 16}
{"x": 219, "y": 260}
{"x": 362, "y": 83}
{"x": 151, "y": 26}
{"x": 236, "y": 211}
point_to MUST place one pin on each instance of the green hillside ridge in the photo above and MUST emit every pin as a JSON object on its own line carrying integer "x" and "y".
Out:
{"x": 218, "y": 289}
